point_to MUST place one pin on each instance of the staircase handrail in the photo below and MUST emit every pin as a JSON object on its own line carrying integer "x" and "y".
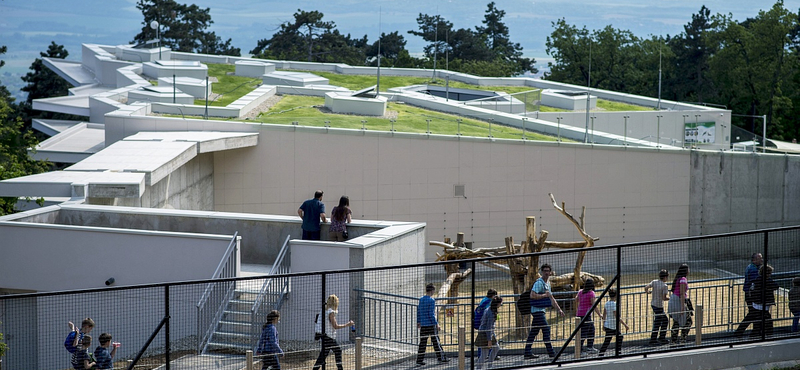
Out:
{"x": 278, "y": 267}
{"x": 226, "y": 268}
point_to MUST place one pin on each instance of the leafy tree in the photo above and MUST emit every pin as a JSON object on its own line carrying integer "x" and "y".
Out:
{"x": 693, "y": 49}
{"x": 499, "y": 41}
{"x": 44, "y": 83}
{"x": 14, "y": 144}
{"x": 393, "y": 51}
{"x": 751, "y": 63}
{"x": 615, "y": 56}
{"x": 182, "y": 28}
{"x": 312, "y": 39}
{"x": 435, "y": 30}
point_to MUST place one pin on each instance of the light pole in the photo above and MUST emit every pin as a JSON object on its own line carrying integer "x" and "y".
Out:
{"x": 154, "y": 25}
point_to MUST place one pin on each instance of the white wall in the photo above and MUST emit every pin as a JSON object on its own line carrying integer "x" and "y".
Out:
{"x": 630, "y": 194}
{"x": 84, "y": 257}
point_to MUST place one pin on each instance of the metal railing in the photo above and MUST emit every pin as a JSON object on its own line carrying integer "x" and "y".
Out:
{"x": 215, "y": 297}
{"x": 272, "y": 292}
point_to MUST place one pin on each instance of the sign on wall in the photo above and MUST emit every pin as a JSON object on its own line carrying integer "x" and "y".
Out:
{"x": 700, "y": 133}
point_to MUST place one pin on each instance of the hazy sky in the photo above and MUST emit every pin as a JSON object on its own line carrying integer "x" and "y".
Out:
{"x": 28, "y": 26}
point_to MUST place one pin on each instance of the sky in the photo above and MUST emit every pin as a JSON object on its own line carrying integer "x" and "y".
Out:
{"x": 28, "y": 26}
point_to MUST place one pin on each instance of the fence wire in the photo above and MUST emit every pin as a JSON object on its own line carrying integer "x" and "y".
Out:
{"x": 373, "y": 318}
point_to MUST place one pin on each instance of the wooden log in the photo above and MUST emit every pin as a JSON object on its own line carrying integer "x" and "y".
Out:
{"x": 459, "y": 240}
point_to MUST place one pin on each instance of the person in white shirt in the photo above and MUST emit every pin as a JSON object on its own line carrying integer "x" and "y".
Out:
{"x": 660, "y": 292}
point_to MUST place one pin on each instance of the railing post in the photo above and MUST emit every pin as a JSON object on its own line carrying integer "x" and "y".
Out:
{"x": 166, "y": 315}
{"x": 577, "y": 340}
{"x": 472, "y": 312}
{"x": 359, "y": 343}
{"x": 763, "y": 278}
{"x": 249, "y": 357}
{"x": 322, "y": 315}
{"x": 617, "y": 345}
{"x": 462, "y": 340}
{"x": 698, "y": 329}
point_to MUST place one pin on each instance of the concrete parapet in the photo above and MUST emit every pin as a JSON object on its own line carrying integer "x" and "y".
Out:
{"x": 252, "y": 68}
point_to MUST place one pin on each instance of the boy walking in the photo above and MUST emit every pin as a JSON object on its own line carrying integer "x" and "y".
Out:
{"x": 81, "y": 359}
{"x": 76, "y": 335}
{"x": 660, "y": 292}
{"x": 103, "y": 357}
{"x": 428, "y": 326}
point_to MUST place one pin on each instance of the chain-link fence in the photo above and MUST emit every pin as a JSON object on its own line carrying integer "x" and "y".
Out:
{"x": 376, "y": 319}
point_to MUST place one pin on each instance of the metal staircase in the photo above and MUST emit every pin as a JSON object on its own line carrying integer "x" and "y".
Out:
{"x": 242, "y": 314}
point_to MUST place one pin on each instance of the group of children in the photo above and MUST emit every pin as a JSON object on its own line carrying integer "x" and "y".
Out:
{"x": 79, "y": 341}
{"x": 584, "y": 301}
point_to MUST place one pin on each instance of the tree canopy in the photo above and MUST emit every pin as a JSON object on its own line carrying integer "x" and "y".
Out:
{"x": 181, "y": 28}
{"x": 749, "y": 66}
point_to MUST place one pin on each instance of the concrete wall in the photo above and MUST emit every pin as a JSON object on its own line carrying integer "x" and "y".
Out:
{"x": 735, "y": 191}
{"x": 190, "y": 187}
{"x": 645, "y": 125}
{"x": 130, "y": 257}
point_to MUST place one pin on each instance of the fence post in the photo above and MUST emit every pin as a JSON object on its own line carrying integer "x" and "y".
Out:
{"x": 472, "y": 312}
{"x": 577, "y": 339}
{"x": 166, "y": 315}
{"x": 249, "y": 357}
{"x": 462, "y": 339}
{"x": 359, "y": 342}
{"x": 698, "y": 328}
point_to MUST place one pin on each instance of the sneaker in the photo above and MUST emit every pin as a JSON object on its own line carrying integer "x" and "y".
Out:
{"x": 530, "y": 356}
{"x": 551, "y": 355}
{"x": 444, "y": 359}
{"x": 591, "y": 349}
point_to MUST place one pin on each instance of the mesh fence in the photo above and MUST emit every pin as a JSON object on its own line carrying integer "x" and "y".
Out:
{"x": 377, "y": 316}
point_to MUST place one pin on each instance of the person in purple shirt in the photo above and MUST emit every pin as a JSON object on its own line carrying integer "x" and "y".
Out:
{"x": 268, "y": 346}
{"x": 428, "y": 326}
{"x": 312, "y": 211}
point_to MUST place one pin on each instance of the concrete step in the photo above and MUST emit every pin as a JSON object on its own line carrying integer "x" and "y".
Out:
{"x": 230, "y": 338}
{"x": 232, "y": 348}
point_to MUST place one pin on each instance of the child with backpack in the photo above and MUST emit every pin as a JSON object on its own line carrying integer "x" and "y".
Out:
{"x": 75, "y": 335}
{"x": 478, "y": 314}
{"x": 584, "y": 300}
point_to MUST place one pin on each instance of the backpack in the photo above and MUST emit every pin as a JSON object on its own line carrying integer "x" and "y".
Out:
{"x": 317, "y": 328}
{"x": 524, "y": 302}
{"x": 478, "y": 314}
{"x": 68, "y": 342}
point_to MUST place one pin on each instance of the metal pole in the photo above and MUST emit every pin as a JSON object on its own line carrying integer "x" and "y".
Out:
{"x": 206, "y": 97}
{"x": 166, "y": 325}
{"x": 322, "y": 314}
{"x": 763, "y": 278}
{"x": 764, "y": 135}
{"x": 659, "y": 76}
{"x": 625, "y": 134}
{"x": 684, "y": 130}
{"x": 472, "y": 309}
{"x": 658, "y": 131}
{"x": 559, "y": 129}
{"x": 593, "y": 117}
{"x": 490, "y": 127}
{"x": 174, "y": 89}
{"x": 617, "y": 344}
{"x": 523, "y": 127}
{"x": 588, "y": 94}
{"x": 447, "y": 87}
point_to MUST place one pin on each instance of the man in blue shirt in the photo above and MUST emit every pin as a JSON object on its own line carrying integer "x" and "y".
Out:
{"x": 750, "y": 277}
{"x": 541, "y": 290}
{"x": 312, "y": 211}
{"x": 428, "y": 326}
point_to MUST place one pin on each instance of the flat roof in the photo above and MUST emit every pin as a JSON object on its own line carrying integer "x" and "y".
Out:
{"x": 73, "y": 144}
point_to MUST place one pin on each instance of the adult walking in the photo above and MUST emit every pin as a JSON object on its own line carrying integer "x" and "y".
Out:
{"x": 329, "y": 343}
{"x": 763, "y": 293}
{"x": 679, "y": 305}
{"x": 750, "y": 277}
{"x": 487, "y": 338}
{"x": 340, "y": 217}
{"x": 428, "y": 326}
{"x": 660, "y": 292}
{"x": 540, "y": 291}
{"x": 312, "y": 211}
